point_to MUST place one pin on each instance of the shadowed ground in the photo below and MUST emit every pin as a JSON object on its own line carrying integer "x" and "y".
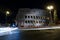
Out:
{"x": 33, "y": 35}
{"x": 41, "y": 35}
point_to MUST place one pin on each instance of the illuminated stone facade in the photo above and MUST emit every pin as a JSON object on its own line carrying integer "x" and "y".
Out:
{"x": 27, "y": 18}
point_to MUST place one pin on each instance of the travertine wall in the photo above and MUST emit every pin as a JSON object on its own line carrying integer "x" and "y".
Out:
{"x": 41, "y": 14}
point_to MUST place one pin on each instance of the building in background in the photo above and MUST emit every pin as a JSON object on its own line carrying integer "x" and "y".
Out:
{"x": 29, "y": 18}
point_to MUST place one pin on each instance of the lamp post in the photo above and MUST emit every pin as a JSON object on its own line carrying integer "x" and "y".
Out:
{"x": 50, "y": 8}
{"x": 7, "y": 13}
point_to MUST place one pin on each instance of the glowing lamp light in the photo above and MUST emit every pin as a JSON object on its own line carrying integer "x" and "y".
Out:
{"x": 50, "y": 7}
{"x": 7, "y": 12}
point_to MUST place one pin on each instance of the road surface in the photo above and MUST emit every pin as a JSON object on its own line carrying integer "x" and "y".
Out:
{"x": 53, "y": 34}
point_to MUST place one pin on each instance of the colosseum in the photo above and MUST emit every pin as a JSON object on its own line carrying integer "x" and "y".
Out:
{"x": 32, "y": 18}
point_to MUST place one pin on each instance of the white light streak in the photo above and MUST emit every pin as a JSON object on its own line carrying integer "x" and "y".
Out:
{"x": 7, "y": 30}
{"x": 54, "y": 27}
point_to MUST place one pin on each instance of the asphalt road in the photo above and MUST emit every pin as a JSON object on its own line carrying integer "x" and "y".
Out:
{"x": 33, "y": 35}
{"x": 41, "y": 35}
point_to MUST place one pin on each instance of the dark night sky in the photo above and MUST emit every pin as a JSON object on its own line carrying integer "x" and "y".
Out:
{"x": 14, "y": 5}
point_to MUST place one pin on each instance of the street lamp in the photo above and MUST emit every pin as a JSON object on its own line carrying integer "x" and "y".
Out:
{"x": 7, "y": 13}
{"x": 50, "y": 8}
